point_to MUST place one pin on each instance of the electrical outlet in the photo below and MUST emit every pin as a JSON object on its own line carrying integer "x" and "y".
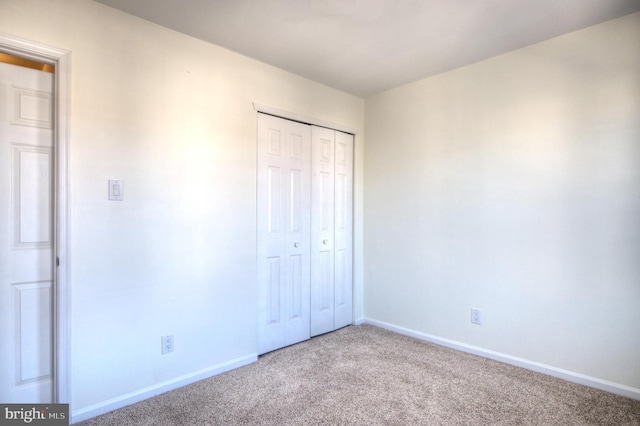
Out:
{"x": 476, "y": 316}
{"x": 167, "y": 344}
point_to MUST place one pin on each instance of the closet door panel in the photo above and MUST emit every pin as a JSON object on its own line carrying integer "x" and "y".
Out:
{"x": 283, "y": 226}
{"x": 322, "y": 229}
{"x": 343, "y": 233}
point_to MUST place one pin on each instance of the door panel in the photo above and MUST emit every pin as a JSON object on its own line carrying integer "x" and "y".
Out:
{"x": 343, "y": 230}
{"x": 322, "y": 230}
{"x": 299, "y": 203}
{"x": 273, "y": 290}
{"x": 273, "y": 200}
{"x": 283, "y": 256}
{"x": 325, "y": 284}
{"x": 295, "y": 295}
{"x": 32, "y": 310}
{"x": 26, "y": 234}
{"x": 331, "y": 230}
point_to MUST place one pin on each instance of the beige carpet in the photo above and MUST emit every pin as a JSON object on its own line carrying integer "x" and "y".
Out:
{"x": 364, "y": 375}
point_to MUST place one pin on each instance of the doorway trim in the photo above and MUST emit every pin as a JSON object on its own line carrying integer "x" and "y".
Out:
{"x": 61, "y": 59}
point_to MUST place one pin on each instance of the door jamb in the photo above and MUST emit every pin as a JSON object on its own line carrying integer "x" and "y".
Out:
{"x": 61, "y": 59}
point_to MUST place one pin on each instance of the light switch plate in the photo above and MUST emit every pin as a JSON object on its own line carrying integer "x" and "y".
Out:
{"x": 116, "y": 190}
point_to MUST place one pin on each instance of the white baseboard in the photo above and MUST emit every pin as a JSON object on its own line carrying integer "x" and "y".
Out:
{"x": 157, "y": 389}
{"x": 616, "y": 388}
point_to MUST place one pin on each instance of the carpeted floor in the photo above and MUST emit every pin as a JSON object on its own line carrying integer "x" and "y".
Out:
{"x": 364, "y": 375}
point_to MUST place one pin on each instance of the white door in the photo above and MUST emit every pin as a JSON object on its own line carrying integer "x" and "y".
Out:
{"x": 331, "y": 230}
{"x": 322, "y": 230}
{"x": 343, "y": 235}
{"x": 26, "y": 234}
{"x": 283, "y": 225}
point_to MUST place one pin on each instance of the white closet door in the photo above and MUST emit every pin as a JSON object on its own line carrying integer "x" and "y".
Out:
{"x": 322, "y": 230}
{"x": 283, "y": 225}
{"x": 331, "y": 230}
{"x": 343, "y": 288}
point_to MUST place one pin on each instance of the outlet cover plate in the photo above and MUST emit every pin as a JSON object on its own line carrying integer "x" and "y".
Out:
{"x": 167, "y": 344}
{"x": 476, "y": 316}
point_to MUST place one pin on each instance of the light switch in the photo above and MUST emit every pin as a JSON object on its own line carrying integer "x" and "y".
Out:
{"x": 116, "y": 190}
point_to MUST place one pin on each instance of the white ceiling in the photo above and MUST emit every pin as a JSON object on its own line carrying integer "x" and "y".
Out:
{"x": 367, "y": 46}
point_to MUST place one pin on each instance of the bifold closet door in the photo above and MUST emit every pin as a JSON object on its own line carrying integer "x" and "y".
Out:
{"x": 283, "y": 226}
{"x": 331, "y": 229}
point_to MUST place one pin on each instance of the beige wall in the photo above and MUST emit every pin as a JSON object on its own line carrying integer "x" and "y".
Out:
{"x": 513, "y": 185}
{"x": 173, "y": 117}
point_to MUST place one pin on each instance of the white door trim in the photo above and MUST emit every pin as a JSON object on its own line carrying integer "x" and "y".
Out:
{"x": 61, "y": 306}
